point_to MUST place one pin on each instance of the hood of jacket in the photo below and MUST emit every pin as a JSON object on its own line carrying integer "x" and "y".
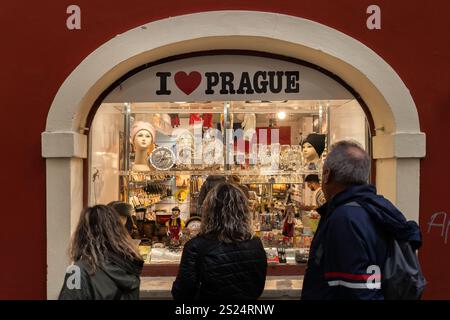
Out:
{"x": 125, "y": 274}
{"x": 382, "y": 211}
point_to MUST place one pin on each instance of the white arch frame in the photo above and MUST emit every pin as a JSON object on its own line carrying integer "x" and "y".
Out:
{"x": 397, "y": 146}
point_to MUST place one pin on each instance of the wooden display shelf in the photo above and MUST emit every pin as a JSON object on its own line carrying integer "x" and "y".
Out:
{"x": 276, "y": 269}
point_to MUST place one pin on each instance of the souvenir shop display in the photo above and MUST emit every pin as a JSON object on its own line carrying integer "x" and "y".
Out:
{"x": 165, "y": 171}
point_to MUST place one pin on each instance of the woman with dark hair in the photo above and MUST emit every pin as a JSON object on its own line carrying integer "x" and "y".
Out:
{"x": 210, "y": 182}
{"x": 225, "y": 261}
{"x": 106, "y": 263}
{"x": 237, "y": 181}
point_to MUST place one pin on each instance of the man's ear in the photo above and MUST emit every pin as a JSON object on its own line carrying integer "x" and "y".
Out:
{"x": 326, "y": 175}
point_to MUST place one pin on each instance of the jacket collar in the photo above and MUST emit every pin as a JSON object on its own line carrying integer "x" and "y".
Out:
{"x": 350, "y": 194}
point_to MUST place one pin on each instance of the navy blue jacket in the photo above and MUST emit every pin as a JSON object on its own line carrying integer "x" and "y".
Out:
{"x": 349, "y": 248}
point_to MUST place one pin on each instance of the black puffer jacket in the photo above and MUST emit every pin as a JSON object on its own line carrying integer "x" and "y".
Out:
{"x": 115, "y": 280}
{"x": 234, "y": 271}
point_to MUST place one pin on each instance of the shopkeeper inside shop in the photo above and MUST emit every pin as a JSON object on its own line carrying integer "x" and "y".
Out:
{"x": 313, "y": 183}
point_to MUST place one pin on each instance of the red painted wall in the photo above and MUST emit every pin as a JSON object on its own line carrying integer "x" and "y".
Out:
{"x": 38, "y": 53}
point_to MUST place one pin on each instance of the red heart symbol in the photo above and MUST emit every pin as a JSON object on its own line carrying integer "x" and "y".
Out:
{"x": 187, "y": 82}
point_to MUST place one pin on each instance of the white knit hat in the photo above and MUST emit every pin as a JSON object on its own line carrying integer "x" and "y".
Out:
{"x": 142, "y": 125}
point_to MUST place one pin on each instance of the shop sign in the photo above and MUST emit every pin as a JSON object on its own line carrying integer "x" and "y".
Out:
{"x": 227, "y": 77}
{"x": 229, "y": 83}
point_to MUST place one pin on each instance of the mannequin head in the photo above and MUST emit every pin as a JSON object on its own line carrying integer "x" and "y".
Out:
{"x": 142, "y": 135}
{"x": 309, "y": 152}
{"x": 142, "y": 140}
{"x": 313, "y": 147}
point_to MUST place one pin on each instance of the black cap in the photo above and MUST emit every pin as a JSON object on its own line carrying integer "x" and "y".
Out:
{"x": 317, "y": 141}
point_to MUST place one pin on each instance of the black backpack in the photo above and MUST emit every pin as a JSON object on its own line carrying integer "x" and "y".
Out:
{"x": 402, "y": 277}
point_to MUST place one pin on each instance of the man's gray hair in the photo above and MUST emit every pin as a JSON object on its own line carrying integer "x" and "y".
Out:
{"x": 348, "y": 162}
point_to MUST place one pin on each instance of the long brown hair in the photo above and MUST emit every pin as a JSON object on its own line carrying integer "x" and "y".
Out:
{"x": 100, "y": 235}
{"x": 226, "y": 215}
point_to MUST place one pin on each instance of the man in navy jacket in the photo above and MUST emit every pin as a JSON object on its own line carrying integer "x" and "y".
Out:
{"x": 349, "y": 249}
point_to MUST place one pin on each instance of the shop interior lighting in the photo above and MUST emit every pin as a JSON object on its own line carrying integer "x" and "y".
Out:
{"x": 281, "y": 115}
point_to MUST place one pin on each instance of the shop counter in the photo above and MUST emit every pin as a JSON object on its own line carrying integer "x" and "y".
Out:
{"x": 273, "y": 269}
{"x": 277, "y": 287}
{"x": 160, "y": 262}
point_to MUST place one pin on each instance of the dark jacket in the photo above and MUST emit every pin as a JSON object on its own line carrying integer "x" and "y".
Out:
{"x": 235, "y": 271}
{"x": 352, "y": 236}
{"x": 115, "y": 280}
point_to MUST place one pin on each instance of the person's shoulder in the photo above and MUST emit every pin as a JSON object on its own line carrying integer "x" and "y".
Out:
{"x": 254, "y": 243}
{"x": 194, "y": 243}
{"x": 255, "y": 240}
{"x": 349, "y": 212}
{"x": 82, "y": 265}
{"x": 85, "y": 269}
{"x": 256, "y": 246}
{"x": 78, "y": 268}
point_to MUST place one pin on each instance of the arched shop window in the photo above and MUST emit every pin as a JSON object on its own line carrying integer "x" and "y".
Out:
{"x": 163, "y": 130}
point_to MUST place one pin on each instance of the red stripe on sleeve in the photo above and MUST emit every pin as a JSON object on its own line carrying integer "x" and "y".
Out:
{"x": 350, "y": 276}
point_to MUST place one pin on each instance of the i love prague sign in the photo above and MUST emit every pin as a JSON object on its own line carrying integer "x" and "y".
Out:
{"x": 227, "y": 77}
